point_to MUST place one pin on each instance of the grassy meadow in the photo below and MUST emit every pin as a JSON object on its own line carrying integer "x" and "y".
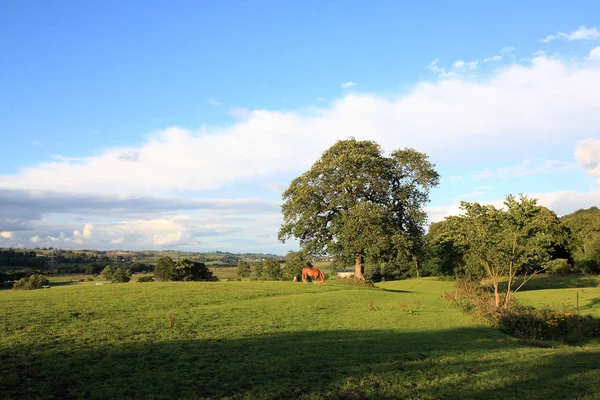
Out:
{"x": 278, "y": 340}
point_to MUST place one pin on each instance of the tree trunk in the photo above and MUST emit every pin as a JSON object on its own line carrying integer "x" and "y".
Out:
{"x": 497, "y": 294}
{"x": 417, "y": 267}
{"x": 358, "y": 266}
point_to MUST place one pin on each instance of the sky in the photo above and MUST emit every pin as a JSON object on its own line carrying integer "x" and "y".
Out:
{"x": 178, "y": 125}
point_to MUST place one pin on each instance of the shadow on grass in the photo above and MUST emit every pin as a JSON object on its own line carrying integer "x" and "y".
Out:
{"x": 458, "y": 363}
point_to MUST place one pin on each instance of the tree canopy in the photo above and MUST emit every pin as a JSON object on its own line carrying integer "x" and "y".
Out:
{"x": 505, "y": 244}
{"x": 355, "y": 203}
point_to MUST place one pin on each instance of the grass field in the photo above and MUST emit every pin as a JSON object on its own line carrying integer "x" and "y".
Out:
{"x": 272, "y": 340}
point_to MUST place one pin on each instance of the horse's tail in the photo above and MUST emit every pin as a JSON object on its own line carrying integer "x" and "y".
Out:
{"x": 322, "y": 276}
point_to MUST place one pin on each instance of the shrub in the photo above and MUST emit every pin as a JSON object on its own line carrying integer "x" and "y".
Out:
{"x": 243, "y": 269}
{"x": 35, "y": 281}
{"x": 559, "y": 266}
{"x": 121, "y": 275}
{"x": 143, "y": 279}
{"x": 521, "y": 321}
{"x": 107, "y": 272}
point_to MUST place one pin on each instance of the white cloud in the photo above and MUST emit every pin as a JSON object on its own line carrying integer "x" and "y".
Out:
{"x": 561, "y": 202}
{"x": 507, "y": 50}
{"x": 526, "y": 168}
{"x": 348, "y": 85}
{"x": 459, "y": 64}
{"x": 587, "y": 154}
{"x": 36, "y": 143}
{"x": 321, "y": 99}
{"x": 492, "y": 58}
{"x": 6, "y": 235}
{"x": 582, "y": 33}
{"x": 514, "y": 108}
{"x": 35, "y": 239}
{"x": 594, "y": 53}
{"x": 214, "y": 102}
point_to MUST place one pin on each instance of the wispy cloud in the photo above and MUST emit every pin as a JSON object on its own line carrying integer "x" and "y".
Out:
{"x": 582, "y": 33}
{"x": 321, "y": 99}
{"x": 214, "y": 102}
{"x": 435, "y": 67}
{"x": 492, "y": 58}
{"x": 36, "y": 143}
{"x": 348, "y": 85}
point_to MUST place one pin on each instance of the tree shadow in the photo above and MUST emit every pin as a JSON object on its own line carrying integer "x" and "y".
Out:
{"x": 457, "y": 363}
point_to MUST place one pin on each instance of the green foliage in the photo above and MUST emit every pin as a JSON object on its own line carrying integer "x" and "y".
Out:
{"x": 121, "y": 275}
{"x": 546, "y": 324}
{"x": 559, "y": 266}
{"x": 294, "y": 262}
{"x": 272, "y": 270}
{"x": 34, "y": 281}
{"x": 93, "y": 269}
{"x": 585, "y": 228}
{"x": 186, "y": 270}
{"x": 498, "y": 244}
{"x": 258, "y": 271}
{"x": 163, "y": 269}
{"x": 107, "y": 272}
{"x": 243, "y": 269}
{"x": 359, "y": 205}
{"x": 524, "y": 321}
{"x": 143, "y": 279}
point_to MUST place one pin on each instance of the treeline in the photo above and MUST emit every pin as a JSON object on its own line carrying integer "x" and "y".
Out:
{"x": 14, "y": 258}
{"x": 532, "y": 236}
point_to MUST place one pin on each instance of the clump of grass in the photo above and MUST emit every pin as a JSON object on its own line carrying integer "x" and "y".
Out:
{"x": 171, "y": 321}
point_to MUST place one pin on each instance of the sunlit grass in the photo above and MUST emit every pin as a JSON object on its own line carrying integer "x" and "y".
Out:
{"x": 270, "y": 340}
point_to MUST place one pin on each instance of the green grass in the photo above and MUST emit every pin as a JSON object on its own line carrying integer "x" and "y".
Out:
{"x": 271, "y": 340}
{"x": 564, "y": 299}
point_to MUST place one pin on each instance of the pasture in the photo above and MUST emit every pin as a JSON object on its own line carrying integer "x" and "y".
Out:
{"x": 256, "y": 339}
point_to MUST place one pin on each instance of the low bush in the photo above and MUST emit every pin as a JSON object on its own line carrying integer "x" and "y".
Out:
{"x": 143, "y": 279}
{"x": 521, "y": 321}
{"x": 559, "y": 266}
{"x": 35, "y": 281}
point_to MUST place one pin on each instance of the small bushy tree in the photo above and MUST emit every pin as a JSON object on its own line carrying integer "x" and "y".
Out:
{"x": 163, "y": 269}
{"x": 35, "y": 281}
{"x": 258, "y": 271}
{"x": 294, "y": 262}
{"x": 187, "y": 270}
{"x": 272, "y": 270}
{"x": 107, "y": 272}
{"x": 243, "y": 269}
{"x": 121, "y": 275}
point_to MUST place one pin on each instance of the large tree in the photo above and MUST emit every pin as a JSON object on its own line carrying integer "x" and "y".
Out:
{"x": 355, "y": 203}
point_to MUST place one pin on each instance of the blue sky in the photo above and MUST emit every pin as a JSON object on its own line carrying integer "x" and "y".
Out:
{"x": 176, "y": 125}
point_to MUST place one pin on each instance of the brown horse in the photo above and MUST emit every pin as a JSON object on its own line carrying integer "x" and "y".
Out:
{"x": 314, "y": 273}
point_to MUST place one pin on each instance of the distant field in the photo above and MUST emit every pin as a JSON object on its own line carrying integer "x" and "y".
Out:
{"x": 272, "y": 340}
